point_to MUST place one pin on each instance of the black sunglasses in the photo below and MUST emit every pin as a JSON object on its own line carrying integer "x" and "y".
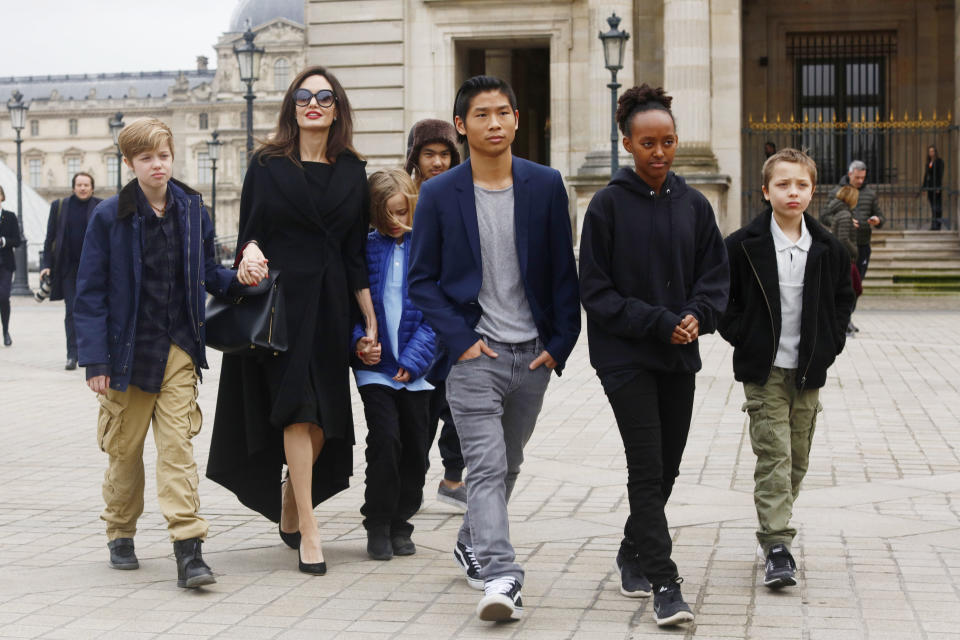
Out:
{"x": 325, "y": 97}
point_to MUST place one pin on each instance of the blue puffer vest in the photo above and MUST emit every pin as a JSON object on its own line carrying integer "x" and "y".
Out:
{"x": 417, "y": 340}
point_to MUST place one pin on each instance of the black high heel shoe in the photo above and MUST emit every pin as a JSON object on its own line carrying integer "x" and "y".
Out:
{"x": 292, "y": 540}
{"x": 315, "y": 568}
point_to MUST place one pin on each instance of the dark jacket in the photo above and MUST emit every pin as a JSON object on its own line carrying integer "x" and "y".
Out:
{"x": 10, "y": 232}
{"x": 445, "y": 271}
{"x": 646, "y": 261}
{"x": 865, "y": 209}
{"x": 109, "y": 277}
{"x": 752, "y": 320}
{"x": 933, "y": 176}
{"x": 54, "y": 245}
{"x": 844, "y": 231}
{"x": 417, "y": 341}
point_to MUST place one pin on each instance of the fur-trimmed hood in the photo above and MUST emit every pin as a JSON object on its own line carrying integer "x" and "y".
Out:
{"x": 427, "y": 132}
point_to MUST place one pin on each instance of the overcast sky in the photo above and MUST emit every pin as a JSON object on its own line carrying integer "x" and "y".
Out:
{"x": 40, "y": 37}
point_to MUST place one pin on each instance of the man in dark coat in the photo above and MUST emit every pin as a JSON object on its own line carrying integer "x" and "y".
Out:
{"x": 9, "y": 240}
{"x": 866, "y": 215}
{"x": 66, "y": 227}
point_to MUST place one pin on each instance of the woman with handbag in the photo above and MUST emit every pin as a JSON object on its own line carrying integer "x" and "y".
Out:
{"x": 304, "y": 211}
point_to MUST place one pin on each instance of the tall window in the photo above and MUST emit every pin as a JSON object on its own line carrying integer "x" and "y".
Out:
{"x": 113, "y": 167}
{"x": 281, "y": 74}
{"x": 36, "y": 172}
{"x": 73, "y": 126}
{"x": 203, "y": 168}
{"x": 34, "y": 127}
{"x": 204, "y": 121}
{"x": 73, "y": 166}
{"x": 844, "y": 77}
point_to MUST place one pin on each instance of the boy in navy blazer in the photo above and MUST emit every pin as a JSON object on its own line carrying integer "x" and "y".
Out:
{"x": 492, "y": 269}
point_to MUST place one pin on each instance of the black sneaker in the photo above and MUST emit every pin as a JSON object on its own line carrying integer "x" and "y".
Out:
{"x": 402, "y": 545}
{"x": 122, "y": 555}
{"x": 633, "y": 583}
{"x": 501, "y": 600}
{"x": 378, "y": 543}
{"x": 780, "y": 568}
{"x": 468, "y": 562}
{"x": 668, "y": 605}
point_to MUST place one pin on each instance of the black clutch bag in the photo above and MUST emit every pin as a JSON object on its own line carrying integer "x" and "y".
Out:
{"x": 249, "y": 322}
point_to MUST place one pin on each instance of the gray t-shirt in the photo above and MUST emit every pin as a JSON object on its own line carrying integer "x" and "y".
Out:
{"x": 506, "y": 311}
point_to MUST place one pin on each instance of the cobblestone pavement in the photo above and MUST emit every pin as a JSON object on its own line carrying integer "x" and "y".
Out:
{"x": 879, "y": 517}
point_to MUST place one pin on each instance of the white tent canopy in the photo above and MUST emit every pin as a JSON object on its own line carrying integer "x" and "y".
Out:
{"x": 35, "y": 209}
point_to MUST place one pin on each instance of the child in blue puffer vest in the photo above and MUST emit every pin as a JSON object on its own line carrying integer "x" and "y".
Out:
{"x": 390, "y": 374}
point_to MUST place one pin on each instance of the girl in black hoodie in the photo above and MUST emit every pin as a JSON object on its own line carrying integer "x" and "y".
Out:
{"x": 653, "y": 277}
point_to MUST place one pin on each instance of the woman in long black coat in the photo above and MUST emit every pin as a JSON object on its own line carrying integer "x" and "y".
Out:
{"x": 303, "y": 212}
{"x": 933, "y": 185}
{"x": 9, "y": 240}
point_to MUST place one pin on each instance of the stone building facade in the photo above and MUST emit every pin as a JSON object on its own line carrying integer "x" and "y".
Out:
{"x": 724, "y": 61}
{"x": 67, "y": 123}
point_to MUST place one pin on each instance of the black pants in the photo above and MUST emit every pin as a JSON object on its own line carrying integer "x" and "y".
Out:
{"x": 935, "y": 197}
{"x": 69, "y": 285}
{"x": 449, "y": 443}
{"x": 6, "y": 284}
{"x": 653, "y": 412}
{"x": 863, "y": 259}
{"x": 396, "y": 455}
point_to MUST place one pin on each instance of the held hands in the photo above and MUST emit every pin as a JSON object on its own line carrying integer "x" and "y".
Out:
{"x": 253, "y": 266}
{"x": 687, "y": 331}
{"x": 368, "y": 350}
{"x": 479, "y": 348}
{"x": 402, "y": 375}
{"x": 99, "y": 384}
{"x": 44, "y": 272}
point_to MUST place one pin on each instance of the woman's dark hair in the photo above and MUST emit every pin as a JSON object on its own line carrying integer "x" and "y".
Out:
{"x": 936, "y": 152}
{"x": 474, "y": 86}
{"x": 638, "y": 99}
{"x": 285, "y": 140}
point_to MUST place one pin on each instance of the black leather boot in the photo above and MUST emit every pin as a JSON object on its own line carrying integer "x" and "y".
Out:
{"x": 192, "y": 571}
{"x": 378, "y": 542}
{"x": 122, "y": 555}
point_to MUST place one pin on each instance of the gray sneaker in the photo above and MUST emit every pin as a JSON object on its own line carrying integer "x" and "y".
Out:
{"x": 454, "y": 497}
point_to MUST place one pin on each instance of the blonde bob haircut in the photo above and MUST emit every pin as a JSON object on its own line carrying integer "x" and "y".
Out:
{"x": 148, "y": 134}
{"x": 789, "y": 155}
{"x": 385, "y": 184}
{"x": 849, "y": 196}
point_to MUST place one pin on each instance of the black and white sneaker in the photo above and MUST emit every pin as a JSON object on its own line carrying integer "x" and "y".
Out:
{"x": 779, "y": 569}
{"x": 501, "y": 600}
{"x": 633, "y": 583}
{"x": 668, "y": 605}
{"x": 468, "y": 562}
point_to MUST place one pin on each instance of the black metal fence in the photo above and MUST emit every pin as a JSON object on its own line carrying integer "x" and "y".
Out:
{"x": 895, "y": 151}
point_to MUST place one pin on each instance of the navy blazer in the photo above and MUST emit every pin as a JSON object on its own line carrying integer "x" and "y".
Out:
{"x": 445, "y": 271}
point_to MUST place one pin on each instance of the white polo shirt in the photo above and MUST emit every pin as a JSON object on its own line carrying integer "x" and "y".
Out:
{"x": 791, "y": 263}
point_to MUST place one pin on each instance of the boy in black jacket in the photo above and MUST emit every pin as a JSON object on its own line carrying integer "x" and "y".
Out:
{"x": 790, "y": 301}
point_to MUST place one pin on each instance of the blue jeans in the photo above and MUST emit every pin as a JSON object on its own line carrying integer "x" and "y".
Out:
{"x": 495, "y": 403}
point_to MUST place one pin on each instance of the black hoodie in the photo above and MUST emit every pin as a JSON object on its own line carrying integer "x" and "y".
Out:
{"x": 646, "y": 261}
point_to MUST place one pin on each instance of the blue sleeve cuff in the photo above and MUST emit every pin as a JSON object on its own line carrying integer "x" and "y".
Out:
{"x": 94, "y": 370}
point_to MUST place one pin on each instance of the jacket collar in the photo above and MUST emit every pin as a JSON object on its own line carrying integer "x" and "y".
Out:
{"x": 760, "y": 226}
{"x": 127, "y": 201}
{"x": 293, "y": 186}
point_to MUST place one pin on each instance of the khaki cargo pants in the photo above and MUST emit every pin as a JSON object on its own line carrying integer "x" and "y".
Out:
{"x": 782, "y": 422}
{"x": 122, "y": 428}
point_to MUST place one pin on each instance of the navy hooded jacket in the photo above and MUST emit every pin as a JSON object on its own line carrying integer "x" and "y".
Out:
{"x": 109, "y": 277}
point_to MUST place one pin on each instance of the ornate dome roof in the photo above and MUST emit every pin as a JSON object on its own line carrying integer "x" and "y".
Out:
{"x": 260, "y": 11}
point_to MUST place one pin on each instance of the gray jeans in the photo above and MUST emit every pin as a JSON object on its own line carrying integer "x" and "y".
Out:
{"x": 495, "y": 403}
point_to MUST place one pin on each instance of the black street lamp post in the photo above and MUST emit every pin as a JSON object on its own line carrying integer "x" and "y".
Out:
{"x": 18, "y": 115}
{"x": 116, "y": 124}
{"x": 614, "y": 42}
{"x": 248, "y": 59}
{"x": 213, "y": 152}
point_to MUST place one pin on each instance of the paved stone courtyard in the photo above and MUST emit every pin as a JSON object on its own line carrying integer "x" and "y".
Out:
{"x": 879, "y": 548}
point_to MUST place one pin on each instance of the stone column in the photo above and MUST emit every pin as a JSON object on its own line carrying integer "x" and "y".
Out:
{"x": 687, "y": 77}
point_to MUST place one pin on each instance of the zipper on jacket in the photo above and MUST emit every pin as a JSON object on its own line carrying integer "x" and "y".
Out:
{"x": 773, "y": 329}
{"x": 816, "y": 327}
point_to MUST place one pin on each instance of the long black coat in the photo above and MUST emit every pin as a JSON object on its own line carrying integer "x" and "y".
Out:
{"x": 54, "y": 247}
{"x": 10, "y": 232}
{"x": 317, "y": 242}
